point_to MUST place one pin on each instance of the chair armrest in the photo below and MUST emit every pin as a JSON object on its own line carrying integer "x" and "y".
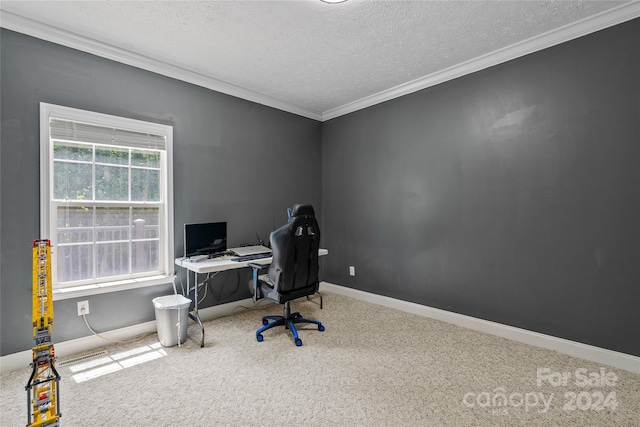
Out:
{"x": 258, "y": 266}
{"x": 253, "y": 283}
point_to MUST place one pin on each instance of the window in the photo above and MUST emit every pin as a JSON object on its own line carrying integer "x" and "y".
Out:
{"x": 106, "y": 200}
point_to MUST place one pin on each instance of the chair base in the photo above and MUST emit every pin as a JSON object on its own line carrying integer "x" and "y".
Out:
{"x": 288, "y": 320}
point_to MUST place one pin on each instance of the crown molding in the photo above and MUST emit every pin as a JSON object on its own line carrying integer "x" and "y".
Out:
{"x": 608, "y": 18}
{"x": 14, "y": 22}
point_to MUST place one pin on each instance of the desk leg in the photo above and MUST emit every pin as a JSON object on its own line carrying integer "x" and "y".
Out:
{"x": 309, "y": 298}
{"x": 195, "y": 316}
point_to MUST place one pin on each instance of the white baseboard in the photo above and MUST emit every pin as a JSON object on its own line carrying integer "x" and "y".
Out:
{"x": 22, "y": 359}
{"x": 612, "y": 358}
{"x": 571, "y": 348}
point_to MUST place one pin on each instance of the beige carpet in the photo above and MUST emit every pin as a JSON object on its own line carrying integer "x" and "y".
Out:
{"x": 373, "y": 366}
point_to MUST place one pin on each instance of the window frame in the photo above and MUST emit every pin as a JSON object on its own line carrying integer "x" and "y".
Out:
{"x": 47, "y": 229}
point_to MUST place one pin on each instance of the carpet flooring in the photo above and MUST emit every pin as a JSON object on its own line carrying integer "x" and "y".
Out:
{"x": 373, "y": 366}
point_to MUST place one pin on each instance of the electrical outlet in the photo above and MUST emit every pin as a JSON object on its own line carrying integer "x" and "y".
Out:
{"x": 83, "y": 307}
{"x": 352, "y": 271}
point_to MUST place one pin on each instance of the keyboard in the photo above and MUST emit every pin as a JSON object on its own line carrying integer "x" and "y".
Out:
{"x": 197, "y": 258}
{"x": 217, "y": 254}
{"x": 251, "y": 257}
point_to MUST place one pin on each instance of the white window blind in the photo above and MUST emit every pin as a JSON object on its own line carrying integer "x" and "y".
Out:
{"x": 84, "y": 132}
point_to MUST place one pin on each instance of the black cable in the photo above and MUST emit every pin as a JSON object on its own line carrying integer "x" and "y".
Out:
{"x": 237, "y": 284}
{"x": 219, "y": 296}
{"x": 213, "y": 291}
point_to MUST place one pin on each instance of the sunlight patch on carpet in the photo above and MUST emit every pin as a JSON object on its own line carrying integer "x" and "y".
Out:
{"x": 116, "y": 362}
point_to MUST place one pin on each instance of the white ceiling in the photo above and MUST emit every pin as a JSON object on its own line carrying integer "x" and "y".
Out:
{"x": 312, "y": 58}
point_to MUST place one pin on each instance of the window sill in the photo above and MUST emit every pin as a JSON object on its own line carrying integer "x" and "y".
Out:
{"x": 103, "y": 288}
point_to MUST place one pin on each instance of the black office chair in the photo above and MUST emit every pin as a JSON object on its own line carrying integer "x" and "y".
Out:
{"x": 293, "y": 273}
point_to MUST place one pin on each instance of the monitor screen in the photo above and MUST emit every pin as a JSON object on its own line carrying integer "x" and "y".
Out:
{"x": 204, "y": 239}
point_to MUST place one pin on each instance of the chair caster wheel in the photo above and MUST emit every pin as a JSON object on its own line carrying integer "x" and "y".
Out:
{"x": 321, "y": 328}
{"x": 265, "y": 322}
{"x": 298, "y": 342}
{"x": 259, "y": 337}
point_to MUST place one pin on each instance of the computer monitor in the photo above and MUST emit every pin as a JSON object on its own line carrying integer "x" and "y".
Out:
{"x": 205, "y": 238}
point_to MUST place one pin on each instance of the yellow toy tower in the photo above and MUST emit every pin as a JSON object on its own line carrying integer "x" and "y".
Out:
{"x": 42, "y": 389}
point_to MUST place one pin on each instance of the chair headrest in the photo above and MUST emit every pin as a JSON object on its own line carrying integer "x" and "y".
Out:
{"x": 302, "y": 210}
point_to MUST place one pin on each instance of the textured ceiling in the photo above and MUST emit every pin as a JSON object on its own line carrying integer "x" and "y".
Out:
{"x": 311, "y": 54}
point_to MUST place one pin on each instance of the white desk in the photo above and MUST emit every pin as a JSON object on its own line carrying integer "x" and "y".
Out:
{"x": 215, "y": 265}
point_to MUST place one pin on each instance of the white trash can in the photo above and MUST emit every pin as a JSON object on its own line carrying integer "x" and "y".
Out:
{"x": 172, "y": 315}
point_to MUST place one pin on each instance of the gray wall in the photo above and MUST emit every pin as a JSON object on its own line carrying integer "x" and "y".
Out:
{"x": 512, "y": 194}
{"x": 216, "y": 137}
{"x": 509, "y": 195}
